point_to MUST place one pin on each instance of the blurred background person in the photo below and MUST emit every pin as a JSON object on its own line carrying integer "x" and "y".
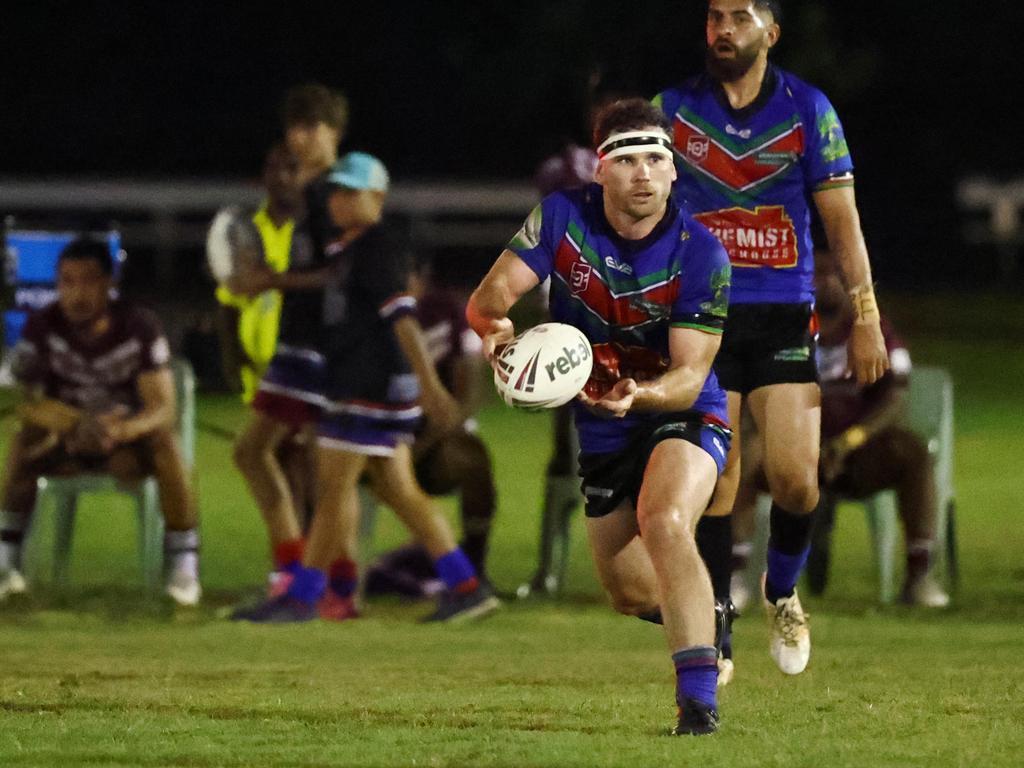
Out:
{"x": 289, "y": 396}
{"x": 449, "y": 461}
{"x": 380, "y": 382}
{"x": 98, "y": 397}
{"x": 865, "y": 447}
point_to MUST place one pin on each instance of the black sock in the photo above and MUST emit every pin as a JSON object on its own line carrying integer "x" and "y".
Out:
{"x": 714, "y": 542}
{"x": 790, "y": 534}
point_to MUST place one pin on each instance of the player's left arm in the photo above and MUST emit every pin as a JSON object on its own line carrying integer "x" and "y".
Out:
{"x": 838, "y": 210}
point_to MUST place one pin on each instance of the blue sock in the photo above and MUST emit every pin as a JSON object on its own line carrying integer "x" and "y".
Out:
{"x": 783, "y": 571}
{"x": 696, "y": 674}
{"x": 455, "y": 570}
{"x": 308, "y": 584}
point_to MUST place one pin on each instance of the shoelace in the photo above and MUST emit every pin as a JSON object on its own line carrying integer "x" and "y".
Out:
{"x": 790, "y": 622}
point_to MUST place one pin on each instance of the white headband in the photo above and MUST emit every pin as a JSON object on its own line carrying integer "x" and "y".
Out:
{"x": 634, "y": 142}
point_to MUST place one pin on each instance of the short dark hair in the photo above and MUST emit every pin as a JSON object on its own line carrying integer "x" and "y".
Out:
{"x": 315, "y": 103}
{"x": 627, "y": 115}
{"x": 88, "y": 248}
{"x": 774, "y": 7}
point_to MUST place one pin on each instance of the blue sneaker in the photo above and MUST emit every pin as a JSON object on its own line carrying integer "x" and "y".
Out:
{"x": 283, "y": 609}
{"x": 457, "y": 607}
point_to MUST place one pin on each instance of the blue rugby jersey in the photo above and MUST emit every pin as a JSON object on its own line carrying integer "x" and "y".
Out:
{"x": 625, "y": 295}
{"x": 748, "y": 176}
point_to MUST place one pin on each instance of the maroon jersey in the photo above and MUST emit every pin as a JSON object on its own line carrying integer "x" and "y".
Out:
{"x": 843, "y": 401}
{"x": 443, "y": 319}
{"x": 93, "y": 375}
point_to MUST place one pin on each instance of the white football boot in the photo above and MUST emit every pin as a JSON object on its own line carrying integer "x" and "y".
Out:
{"x": 12, "y": 583}
{"x": 790, "y": 640}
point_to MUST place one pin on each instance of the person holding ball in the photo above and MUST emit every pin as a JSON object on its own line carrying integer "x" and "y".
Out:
{"x": 649, "y": 287}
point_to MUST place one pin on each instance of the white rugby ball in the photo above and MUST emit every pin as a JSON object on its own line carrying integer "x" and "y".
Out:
{"x": 544, "y": 367}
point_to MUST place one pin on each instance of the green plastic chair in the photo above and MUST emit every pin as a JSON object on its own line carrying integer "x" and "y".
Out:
{"x": 62, "y": 493}
{"x": 930, "y": 415}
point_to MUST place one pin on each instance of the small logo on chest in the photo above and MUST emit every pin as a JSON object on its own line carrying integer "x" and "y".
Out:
{"x": 618, "y": 266}
{"x": 579, "y": 276}
{"x": 697, "y": 148}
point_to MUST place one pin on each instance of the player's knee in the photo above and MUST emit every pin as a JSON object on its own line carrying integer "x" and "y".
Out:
{"x": 632, "y": 602}
{"x": 795, "y": 491}
{"x": 905, "y": 447}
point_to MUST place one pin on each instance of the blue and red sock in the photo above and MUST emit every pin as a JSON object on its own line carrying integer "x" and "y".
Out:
{"x": 344, "y": 577}
{"x": 457, "y": 572}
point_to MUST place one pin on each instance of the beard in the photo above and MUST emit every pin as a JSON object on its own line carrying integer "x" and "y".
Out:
{"x": 731, "y": 70}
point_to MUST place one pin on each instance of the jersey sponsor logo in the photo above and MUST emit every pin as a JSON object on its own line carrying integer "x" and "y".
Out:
{"x": 618, "y": 265}
{"x": 793, "y": 355}
{"x": 579, "y": 276}
{"x": 743, "y": 134}
{"x": 697, "y": 148}
{"x": 763, "y": 237}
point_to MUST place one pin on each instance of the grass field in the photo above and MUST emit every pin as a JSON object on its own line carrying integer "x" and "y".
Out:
{"x": 104, "y": 677}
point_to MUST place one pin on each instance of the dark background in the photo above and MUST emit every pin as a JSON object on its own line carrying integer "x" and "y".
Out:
{"x": 928, "y": 92}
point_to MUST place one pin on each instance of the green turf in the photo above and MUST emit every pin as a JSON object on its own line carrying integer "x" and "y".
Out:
{"x": 105, "y": 677}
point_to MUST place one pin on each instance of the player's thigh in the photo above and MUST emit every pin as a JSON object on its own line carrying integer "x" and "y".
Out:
{"x": 620, "y": 558}
{"x": 788, "y": 419}
{"x": 261, "y": 433}
{"x": 677, "y": 484}
{"x": 337, "y": 470}
{"x": 394, "y": 481}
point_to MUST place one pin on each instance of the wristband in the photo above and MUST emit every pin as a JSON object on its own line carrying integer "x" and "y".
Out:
{"x": 865, "y": 308}
{"x": 855, "y": 437}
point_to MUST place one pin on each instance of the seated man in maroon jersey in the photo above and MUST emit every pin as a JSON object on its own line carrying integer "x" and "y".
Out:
{"x": 455, "y": 461}
{"x": 99, "y": 397}
{"x": 864, "y": 446}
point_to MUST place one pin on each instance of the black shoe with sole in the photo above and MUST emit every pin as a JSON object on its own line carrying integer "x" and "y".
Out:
{"x": 696, "y": 719}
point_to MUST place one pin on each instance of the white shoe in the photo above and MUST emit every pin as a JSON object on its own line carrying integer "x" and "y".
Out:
{"x": 726, "y": 669}
{"x": 790, "y": 641}
{"x": 183, "y": 588}
{"x": 12, "y": 583}
{"x": 926, "y": 592}
{"x": 738, "y": 590}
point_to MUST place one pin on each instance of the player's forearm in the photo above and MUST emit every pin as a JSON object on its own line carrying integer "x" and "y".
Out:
{"x": 488, "y": 307}
{"x": 300, "y": 280}
{"x": 49, "y": 414}
{"x": 410, "y": 341}
{"x": 150, "y": 419}
{"x": 676, "y": 390}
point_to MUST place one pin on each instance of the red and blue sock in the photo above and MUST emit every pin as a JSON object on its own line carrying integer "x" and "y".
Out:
{"x": 457, "y": 572}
